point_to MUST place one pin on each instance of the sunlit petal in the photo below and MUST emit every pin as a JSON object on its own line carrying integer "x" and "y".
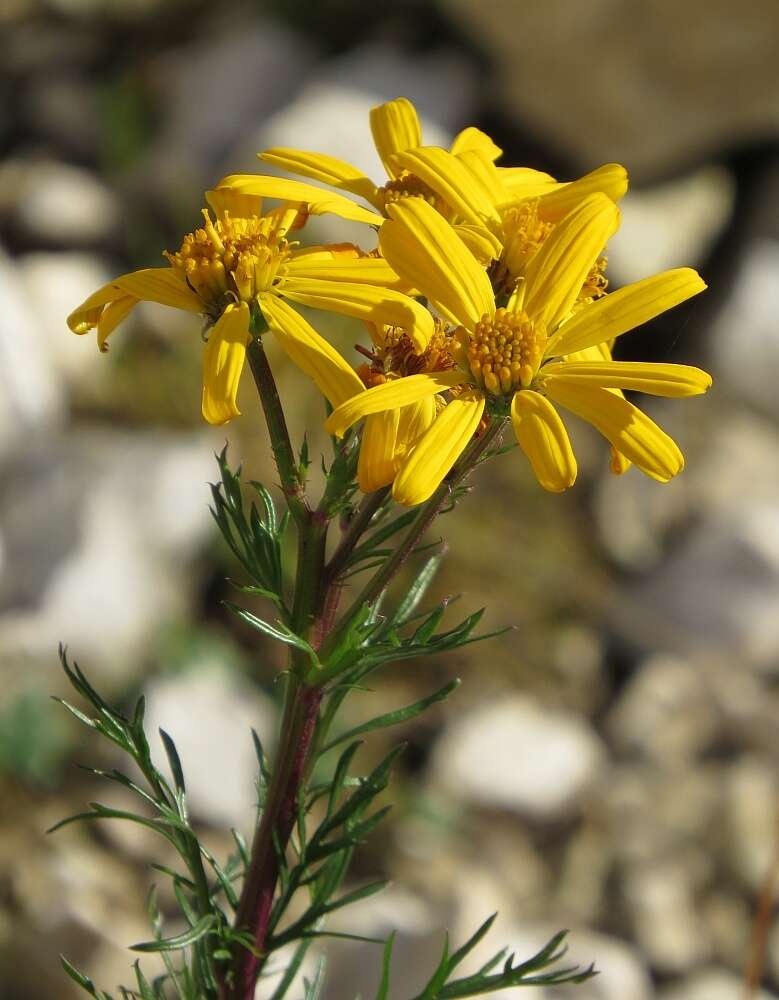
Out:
{"x": 395, "y": 127}
{"x": 450, "y": 177}
{"x": 543, "y": 438}
{"x": 152, "y": 284}
{"x": 376, "y": 463}
{"x": 610, "y": 179}
{"x": 389, "y": 396}
{"x": 424, "y": 249}
{"x": 435, "y": 454}
{"x": 320, "y": 167}
{"x": 223, "y": 360}
{"x": 318, "y": 200}
{"x": 363, "y": 301}
{"x": 625, "y": 309}
{"x": 111, "y": 316}
{"x": 654, "y": 378}
{"x": 473, "y": 138}
{"x": 630, "y": 431}
{"x": 360, "y": 270}
{"x": 556, "y": 272}
{"x": 335, "y": 379}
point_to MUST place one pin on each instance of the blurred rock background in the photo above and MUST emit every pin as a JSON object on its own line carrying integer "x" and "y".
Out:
{"x": 612, "y": 765}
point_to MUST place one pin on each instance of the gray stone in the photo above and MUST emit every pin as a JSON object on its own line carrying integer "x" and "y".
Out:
{"x": 609, "y": 81}
{"x": 56, "y": 202}
{"x": 116, "y": 519}
{"x": 712, "y": 983}
{"x": 663, "y": 906}
{"x": 744, "y": 334}
{"x": 752, "y": 808}
{"x": 210, "y": 712}
{"x": 518, "y": 755}
{"x": 671, "y": 225}
{"x": 666, "y": 712}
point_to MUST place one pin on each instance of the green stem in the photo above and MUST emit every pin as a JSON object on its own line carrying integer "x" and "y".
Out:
{"x": 427, "y": 514}
{"x": 289, "y": 472}
{"x": 357, "y": 526}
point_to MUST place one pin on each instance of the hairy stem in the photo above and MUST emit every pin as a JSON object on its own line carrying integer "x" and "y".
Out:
{"x": 354, "y": 532}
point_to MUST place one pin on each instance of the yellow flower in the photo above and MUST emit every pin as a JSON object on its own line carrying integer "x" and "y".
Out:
{"x": 243, "y": 263}
{"x": 503, "y": 214}
{"x": 396, "y": 128}
{"x": 518, "y": 360}
{"x": 388, "y": 437}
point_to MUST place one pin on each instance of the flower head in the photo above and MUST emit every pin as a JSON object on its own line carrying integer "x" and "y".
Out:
{"x": 520, "y": 359}
{"x": 240, "y": 270}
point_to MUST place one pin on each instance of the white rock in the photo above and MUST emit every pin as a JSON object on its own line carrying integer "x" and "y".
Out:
{"x": 667, "y": 926}
{"x": 712, "y": 984}
{"x": 30, "y": 393}
{"x": 117, "y": 578}
{"x": 210, "y": 712}
{"x": 671, "y": 225}
{"x": 744, "y": 334}
{"x": 516, "y": 754}
{"x": 752, "y": 802}
{"x": 53, "y": 284}
{"x": 622, "y": 975}
{"x": 665, "y": 712}
{"x": 59, "y": 202}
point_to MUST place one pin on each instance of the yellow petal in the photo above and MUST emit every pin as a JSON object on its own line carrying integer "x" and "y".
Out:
{"x": 317, "y": 200}
{"x": 556, "y": 272}
{"x": 618, "y": 464}
{"x": 335, "y": 379}
{"x": 223, "y": 360}
{"x": 625, "y": 309}
{"x": 630, "y": 431}
{"x": 473, "y": 138}
{"x": 483, "y": 244}
{"x": 610, "y": 179}
{"x": 543, "y": 438}
{"x": 395, "y": 127}
{"x": 228, "y": 200}
{"x": 424, "y": 249}
{"x": 654, "y": 378}
{"x": 389, "y": 396}
{"x": 320, "y": 167}
{"x": 524, "y": 182}
{"x": 111, "y": 316}
{"x": 450, "y": 177}
{"x": 435, "y": 454}
{"x": 376, "y": 463}
{"x": 365, "y": 302}
{"x": 358, "y": 270}
{"x": 153, "y": 284}
{"x": 413, "y": 421}
{"x": 488, "y": 176}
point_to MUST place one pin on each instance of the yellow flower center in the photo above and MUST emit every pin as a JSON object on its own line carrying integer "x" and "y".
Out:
{"x": 596, "y": 282}
{"x": 410, "y": 186}
{"x": 503, "y": 352}
{"x": 396, "y": 356}
{"x": 524, "y": 232}
{"x": 231, "y": 258}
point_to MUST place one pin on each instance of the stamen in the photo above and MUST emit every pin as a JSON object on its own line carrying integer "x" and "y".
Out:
{"x": 503, "y": 352}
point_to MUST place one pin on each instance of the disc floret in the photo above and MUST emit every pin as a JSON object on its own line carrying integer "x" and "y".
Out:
{"x": 230, "y": 259}
{"x": 503, "y": 352}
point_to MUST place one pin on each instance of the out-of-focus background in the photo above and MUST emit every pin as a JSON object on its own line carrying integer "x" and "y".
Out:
{"x": 613, "y": 765}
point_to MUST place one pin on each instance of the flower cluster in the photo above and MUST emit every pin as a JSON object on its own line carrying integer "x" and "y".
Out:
{"x": 485, "y": 301}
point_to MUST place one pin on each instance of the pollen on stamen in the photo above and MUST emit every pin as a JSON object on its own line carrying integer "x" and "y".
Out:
{"x": 231, "y": 258}
{"x": 503, "y": 352}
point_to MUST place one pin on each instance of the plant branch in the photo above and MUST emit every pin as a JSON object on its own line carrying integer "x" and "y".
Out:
{"x": 289, "y": 472}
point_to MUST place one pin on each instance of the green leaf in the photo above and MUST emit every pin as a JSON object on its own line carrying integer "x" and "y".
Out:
{"x": 313, "y": 989}
{"x": 384, "y": 983}
{"x": 190, "y": 936}
{"x": 417, "y": 590}
{"x": 280, "y": 633}
{"x": 396, "y": 717}
{"x": 174, "y": 760}
{"x": 83, "y": 981}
